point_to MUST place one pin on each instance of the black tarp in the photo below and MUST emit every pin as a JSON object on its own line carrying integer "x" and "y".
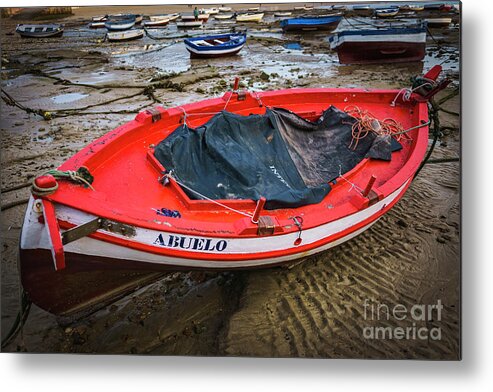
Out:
{"x": 279, "y": 155}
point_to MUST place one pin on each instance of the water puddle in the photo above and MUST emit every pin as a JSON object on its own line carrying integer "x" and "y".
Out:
{"x": 293, "y": 46}
{"x": 67, "y": 98}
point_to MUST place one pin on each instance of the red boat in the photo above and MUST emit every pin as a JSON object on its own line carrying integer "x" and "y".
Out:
{"x": 113, "y": 208}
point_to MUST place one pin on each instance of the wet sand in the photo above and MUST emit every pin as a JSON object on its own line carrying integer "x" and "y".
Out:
{"x": 312, "y": 309}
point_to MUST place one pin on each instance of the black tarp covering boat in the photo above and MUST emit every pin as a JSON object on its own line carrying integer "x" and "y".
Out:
{"x": 279, "y": 155}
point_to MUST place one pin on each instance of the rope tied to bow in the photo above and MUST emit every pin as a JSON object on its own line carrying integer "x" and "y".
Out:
{"x": 82, "y": 176}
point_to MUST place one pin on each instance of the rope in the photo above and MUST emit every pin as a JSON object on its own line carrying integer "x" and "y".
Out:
{"x": 25, "y": 307}
{"x": 412, "y": 128}
{"x": 169, "y": 175}
{"x": 436, "y": 133}
{"x": 9, "y": 100}
{"x": 443, "y": 160}
{"x": 408, "y": 91}
{"x": 207, "y": 113}
{"x": 367, "y": 122}
{"x": 37, "y": 191}
{"x": 432, "y": 37}
{"x": 353, "y": 186}
{"x": 82, "y": 175}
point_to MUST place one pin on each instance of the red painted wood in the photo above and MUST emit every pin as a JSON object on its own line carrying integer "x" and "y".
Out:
{"x": 258, "y": 209}
{"x": 126, "y": 175}
{"x": 53, "y": 229}
{"x": 433, "y": 72}
{"x": 369, "y": 186}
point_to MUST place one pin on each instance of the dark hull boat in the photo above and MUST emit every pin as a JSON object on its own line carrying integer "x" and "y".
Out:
{"x": 215, "y": 45}
{"x": 39, "y": 31}
{"x": 391, "y": 45}
{"x": 220, "y": 184}
{"x": 311, "y": 23}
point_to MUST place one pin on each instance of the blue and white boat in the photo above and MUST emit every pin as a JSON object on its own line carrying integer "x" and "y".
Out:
{"x": 386, "y": 45}
{"x": 308, "y": 23}
{"x": 39, "y": 30}
{"x": 386, "y": 12}
{"x": 215, "y": 45}
{"x": 120, "y": 23}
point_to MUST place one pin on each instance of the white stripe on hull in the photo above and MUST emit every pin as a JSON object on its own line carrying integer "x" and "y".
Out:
{"x": 34, "y": 236}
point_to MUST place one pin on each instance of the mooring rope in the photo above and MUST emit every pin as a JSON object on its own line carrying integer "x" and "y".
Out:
{"x": 186, "y": 114}
{"x": 25, "y": 307}
{"x": 353, "y": 185}
{"x": 367, "y": 122}
{"x": 169, "y": 175}
{"x": 79, "y": 176}
{"x": 436, "y": 133}
{"x": 407, "y": 91}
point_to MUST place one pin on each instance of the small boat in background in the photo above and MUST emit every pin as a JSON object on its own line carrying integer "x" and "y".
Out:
{"x": 282, "y": 14}
{"x": 96, "y": 25}
{"x": 433, "y": 6}
{"x": 156, "y": 23}
{"x": 99, "y": 18}
{"x": 390, "y": 45}
{"x": 190, "y": 16}
{"x": 249, "y": 17}
{"x": 120, "y": 23}
{"x": 39, "y": 30}
{"x": 189, "y": 24}
{"x": 446, "y": 7}
{"x": 215, "y": 45}
{"x": 223, "y": 16}
{"x": 438, "y": 22}
{"x": 138, "y": 17}
{"x": 386, "y": 12}
{"x": 361, "y": 8}
{"x": 254, "y": 9}
{"x": 310, "y": 23}
{"x": 170, "y": 17}
{"x": 414, "y": 7}
{"x": 225, "y": 9}
{"x": 128, "y": 35}
{"x": 210, "y": 11}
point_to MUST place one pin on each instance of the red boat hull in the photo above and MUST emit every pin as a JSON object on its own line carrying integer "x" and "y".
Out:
{"x": 104, "y": 263}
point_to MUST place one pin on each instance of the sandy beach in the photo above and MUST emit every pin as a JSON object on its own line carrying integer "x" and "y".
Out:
{"x": 314, "y": 308}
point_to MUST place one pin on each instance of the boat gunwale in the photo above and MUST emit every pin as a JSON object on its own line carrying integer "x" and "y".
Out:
{"x": 87, "y": 156}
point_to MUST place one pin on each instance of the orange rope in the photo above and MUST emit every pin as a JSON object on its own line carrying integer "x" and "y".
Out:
{"x": 367, "y": 122}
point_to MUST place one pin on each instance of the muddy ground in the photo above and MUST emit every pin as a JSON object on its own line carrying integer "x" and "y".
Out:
{"x": 85, "y": 87}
